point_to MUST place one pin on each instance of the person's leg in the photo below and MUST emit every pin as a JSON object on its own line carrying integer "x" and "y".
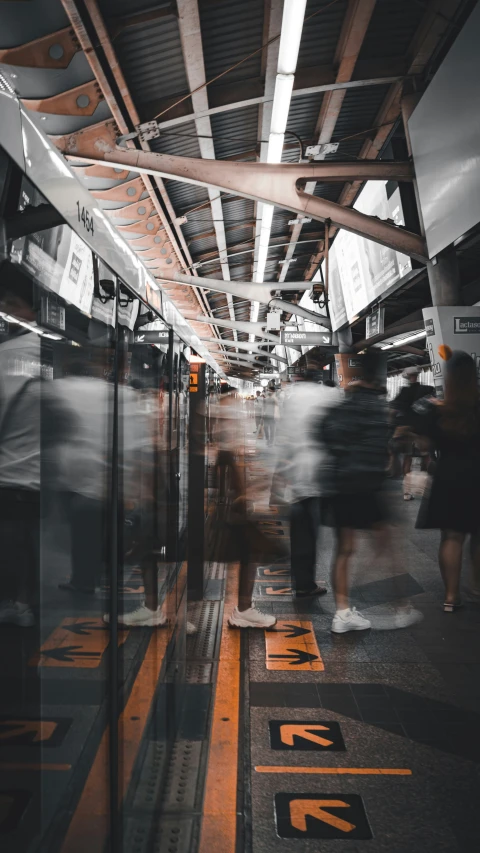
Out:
{"x": 407, "y": 467}
{"x": 245, "y": 614}
{"x": 345, "y": 619}
{"x": 344, "y": 551}
{"x": 273, "y": 425}
{"x": 246, "y": 582}
{"x": 304, "y": 521}
{"x": 450, "y": 560}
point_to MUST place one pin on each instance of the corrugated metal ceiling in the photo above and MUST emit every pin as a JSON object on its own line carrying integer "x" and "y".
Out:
{"x": 151, "y": 58}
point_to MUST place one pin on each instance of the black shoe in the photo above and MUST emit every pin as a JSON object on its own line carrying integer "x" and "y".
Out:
{"x": 319, "y": 590}
{"x": 70, "y": 587}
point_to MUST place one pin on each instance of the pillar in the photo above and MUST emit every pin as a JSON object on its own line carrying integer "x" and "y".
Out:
{"x": 196, "y": 481}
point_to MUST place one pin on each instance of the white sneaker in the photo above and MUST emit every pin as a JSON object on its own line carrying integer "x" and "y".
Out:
{"x": 349, "y": 620}
{"x": 142, "y": 617}
{"x": 408, "y": 497}
{"x": 15, "y": 613}
{"x": 191, "y": 628}
{"x": 400, "y": 617}
{"x": 406, "y": 616}
{"x": 251, "y": 618}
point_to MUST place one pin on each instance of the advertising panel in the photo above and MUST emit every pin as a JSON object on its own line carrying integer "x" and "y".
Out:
{"x": 360, "y": 271}
{"x": 451, "y": 328}
{"x": 58, "y": 259}
{"x": 445, "y": 132}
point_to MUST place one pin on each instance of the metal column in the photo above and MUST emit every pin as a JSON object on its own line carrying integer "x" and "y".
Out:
{"x": 196, "y": 482}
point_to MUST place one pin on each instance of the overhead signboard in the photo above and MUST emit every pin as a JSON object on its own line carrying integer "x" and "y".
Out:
{"x": 444, "y": 132}
{"x": 375, "y": 323}
{"x": 306, "y": 339}
{"x": 152, "y": 336}
{"x": 360, "y": 271}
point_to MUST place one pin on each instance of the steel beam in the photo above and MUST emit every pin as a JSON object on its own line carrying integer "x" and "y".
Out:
{"x": 277, "y": 184}
{"x": 249, "y": 347}
{"x": 243, "y": 289}
{"x": 248, "y": 328}
{"x": 298, "y": 310}
{"x": 192, "y": 48}
{"x": 82, "y": 35}
{"x": 426, "y": 40}
{"x": 260, "y": 100}
{"x": 354, "y": 30}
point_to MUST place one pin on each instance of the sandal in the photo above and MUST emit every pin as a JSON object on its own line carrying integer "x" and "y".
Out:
{"x": 451, "y": 607}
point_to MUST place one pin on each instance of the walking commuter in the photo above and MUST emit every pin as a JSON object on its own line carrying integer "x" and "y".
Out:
{"x": 32, "y": 425}
{"x": 258, "y": 407}
{"x": 452, "y": 427}
{"x": 357, "y": 434}
{"x": 303, "y": 454}
{"x": 270, "y": 415}
{"x": 402, "y": 407}
{"x": 232, "y": 531}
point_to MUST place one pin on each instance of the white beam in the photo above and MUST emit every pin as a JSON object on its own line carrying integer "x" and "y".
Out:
{"x": 191, "y": 38}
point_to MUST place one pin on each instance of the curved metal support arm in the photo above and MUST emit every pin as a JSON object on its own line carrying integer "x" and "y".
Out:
{"x": 259, "y": 292}
{"x": 278, "y": 184}
{"x": 290, "y": 308}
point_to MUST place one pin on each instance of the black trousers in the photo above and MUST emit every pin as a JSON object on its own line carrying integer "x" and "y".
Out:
{"x": 19, "y": 544}
{"x": 304, "y": 524}
{"x": 87, "y": 526}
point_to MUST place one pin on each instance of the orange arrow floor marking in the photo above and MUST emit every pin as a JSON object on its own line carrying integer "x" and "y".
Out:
{"x": 285, "y": 591}
{"x": 276, "y": 571}
{"x": 43, "y": 729}
{"x": 299, "y": 809}
{"x": 281, "y": 648}
{"x": 79, "y": 641}
{"x": 288, "y": 732}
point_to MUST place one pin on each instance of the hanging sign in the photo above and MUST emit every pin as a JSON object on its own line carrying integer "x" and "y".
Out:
{"x": 152, "y": 336}
{"x": 375, "y": 323}
{"x": 306, "y": 339}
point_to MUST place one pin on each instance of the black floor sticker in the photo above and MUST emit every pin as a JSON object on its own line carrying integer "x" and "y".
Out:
{"x": 306, "y": 735}
{"x": 327, "y": 816}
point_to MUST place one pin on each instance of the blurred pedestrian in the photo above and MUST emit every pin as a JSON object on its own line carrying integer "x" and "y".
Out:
{"x": 258, "y": 408}
{"x": 231, "y": 534}
{"x": 452, "y": 426}
{"x": 303, "y": 454}
{"x": 357, "y": 434}
{"x": 270, "y": 415}
{"x": 402, "y": 407}
{"x": 33, "y": 425}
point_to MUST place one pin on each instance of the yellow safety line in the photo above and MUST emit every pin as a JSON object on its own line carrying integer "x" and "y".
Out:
{"x": 339, "y": 771}
{"x": 219, "y": 822}
{"x": 89, "y": 826}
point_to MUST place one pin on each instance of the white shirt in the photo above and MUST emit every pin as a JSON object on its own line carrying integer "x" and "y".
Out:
{"x": 301, "y": 454}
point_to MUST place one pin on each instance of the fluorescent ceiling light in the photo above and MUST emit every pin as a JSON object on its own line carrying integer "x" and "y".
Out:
{"x": 275, "y": 147}
{"x": 292, "y": 25}
{"x": 414, "y": 337}
{"x": 281, "y": 102}
{"x": 291, "y": 33}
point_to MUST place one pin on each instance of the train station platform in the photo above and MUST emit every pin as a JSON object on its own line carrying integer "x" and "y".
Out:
{"x": 361, "y": 741}
{"x": 252, "y": 740}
